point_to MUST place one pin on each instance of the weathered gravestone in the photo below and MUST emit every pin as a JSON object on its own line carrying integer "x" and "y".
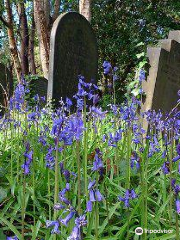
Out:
{"x": 163, "y": 82}
{"x": 73, "y": 52}
{"x": 39, "y": 86}
{"x": 6, "y": 87}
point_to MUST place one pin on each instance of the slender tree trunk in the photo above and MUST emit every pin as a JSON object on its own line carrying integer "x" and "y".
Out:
{"x": 57, "y": 4}
{"x": 31, "y": 47}
{"x": 85, "y": 8}
{"x": 42, "y": 21}
{"x": 24, "y": 38}
{"x": 12, "y": 41}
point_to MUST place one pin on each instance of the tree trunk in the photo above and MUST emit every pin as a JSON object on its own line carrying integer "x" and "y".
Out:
{"x": 31, "y": 47}
{"x": 56, "y": 9}
{"x": 24, "y": 38}
{"x": 85, "y": 8}
{"x": 42, "y": 20}
{"x": 12, "y": 41}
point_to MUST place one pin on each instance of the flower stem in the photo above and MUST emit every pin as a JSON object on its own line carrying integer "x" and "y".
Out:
{"x": 56, "y": 191}
{"x": 79, "y": 175}
{"x": 128, "y": 174}
{"x": 96, "y": 219}
{"x": 85, "y": 152}
{"x": 177, "y": 228}
{"x": 49, "y": 193}
{"x": 23, "y": 206}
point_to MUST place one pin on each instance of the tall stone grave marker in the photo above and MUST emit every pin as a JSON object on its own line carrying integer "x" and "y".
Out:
{"x": 163, "y": 82}
{"x": 73, "y": 52}
{"x": 6, "y": 87}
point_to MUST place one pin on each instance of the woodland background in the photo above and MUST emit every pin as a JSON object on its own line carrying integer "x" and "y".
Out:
{"x": 124, "y": 29}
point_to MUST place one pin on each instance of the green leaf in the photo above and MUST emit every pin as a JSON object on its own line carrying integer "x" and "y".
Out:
{"x": 166, "y": 237}
{"x": 135, "y": 92}
{"x": 3, "y": 194}
{"x": 2, "y": 236}
{"x": 139, "y": 55}
{"x": 111, "y": 213}
{"x": 11, "y": 227}
{"x": 35, "y": 230}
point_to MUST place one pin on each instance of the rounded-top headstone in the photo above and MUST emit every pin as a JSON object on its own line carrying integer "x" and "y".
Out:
{"x": 73, "y": 52}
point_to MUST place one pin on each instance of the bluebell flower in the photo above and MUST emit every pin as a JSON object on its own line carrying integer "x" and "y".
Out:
{"x": 81, "y": 221}
{"x": 89, "y": 206}
{"x": 115, "y": 138}
{"x": 165, "y": 167}
{"x": 66, "y": 220}
{"x": 76, "y": 234}
{"x": 42, "y": 139}
{"x": 50, "y": 159}
{"x": 34, "y": 116}
{"x": 54, "y": 224}
{"x": 178, "y": 152}
{"x": 43, "y": 99}
{"x": 142, "y": 75}
{"x": 98, "y": 112}
{"x": 107, "y": 67}
{"x": 91, "y": 184}
{"x": 135, "y": 160}
{"x": 12, "y": 238}
{"x": 58, "y": 206}
{"x": 99, "y": 196}
{"x": 178, "y": 206}
{"x": 57, "y": 126}
{"x": 94, "y": 193}
{"x": 62, "y": 196}
{"x": 68, "y": 104}
{"x": 28, "y": 159}
{"x": 129, "y": 194}
{"x": 36, "y": 98}
{"x": 97, "y": 164}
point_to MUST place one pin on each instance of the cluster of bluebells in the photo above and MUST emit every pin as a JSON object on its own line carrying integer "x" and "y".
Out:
{"x": 18, "y": 100}
{"x": 176, "y": 189}
{"x": 114, "y": 138}
{"x": 128, "y": 112}
{"x": 129, "y": 195}
{"x": 65, "y": 205}
{"x": 86, "y": 91}
{"x": 76, "y": 232}
{"x": 69, "y": 128}
{"x": 94, "y": 193}
{"x": 28, "y": 159}
{"x": 135, "y": 160}
{"x": 109, "y": 70}
{"x": 50, "y": 159}
{"x": 66, "y": 173}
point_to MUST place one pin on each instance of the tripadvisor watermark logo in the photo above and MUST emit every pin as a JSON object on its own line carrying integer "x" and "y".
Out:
{"x": 139, "y": 231}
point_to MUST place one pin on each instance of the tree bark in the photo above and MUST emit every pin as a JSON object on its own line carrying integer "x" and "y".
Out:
{"x": 31, "y": 47}
{"x": 12, "y": 41}
{"x": 57, "y": 4}
{"x": 24, "y": 38}
{"x": 42, "y": 21}
{"x": 85, "y": 8}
